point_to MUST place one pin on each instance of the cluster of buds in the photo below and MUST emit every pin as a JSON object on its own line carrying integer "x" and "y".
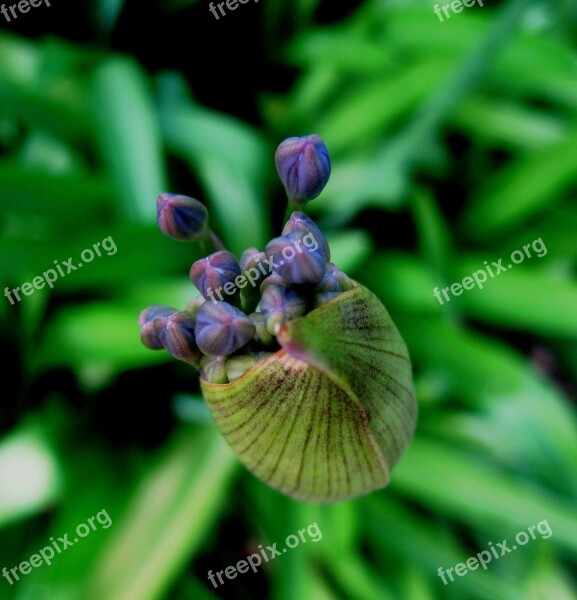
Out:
{"x": 302, "y": 368}
{"x": 244, "y": 302}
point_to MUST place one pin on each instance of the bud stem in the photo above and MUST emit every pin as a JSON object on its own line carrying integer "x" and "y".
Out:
{"x": 218, "y": 245}
{"x": 212, "y": 243}
{"x": 288, "y": 212}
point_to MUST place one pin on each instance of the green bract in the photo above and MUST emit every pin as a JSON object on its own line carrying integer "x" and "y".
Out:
{"x": 326, "y": 417}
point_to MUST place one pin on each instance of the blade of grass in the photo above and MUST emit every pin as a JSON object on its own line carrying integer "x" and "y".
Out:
{"x": 433, "y": 473}
{"x": 167, "y": 518}
{"x": 129, "y": 138}
{"x": 526, "y": 188}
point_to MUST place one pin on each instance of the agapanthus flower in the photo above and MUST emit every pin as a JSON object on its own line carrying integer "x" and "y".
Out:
{"x": 301, "y": 367}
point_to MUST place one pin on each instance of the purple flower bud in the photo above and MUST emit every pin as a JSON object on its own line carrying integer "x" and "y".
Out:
{"x": 334, "y": 282}
{"x": 151, "y": 325}
{"x": 296, "y": 259}
{"x": 251, "y": 257}
{"x": 222, "y": 329}
{"x": 300, "y": 222}
{"x": 254, "y": 268}
{"x": 279, "y": 305}
{"x": 181, "y": 218}
{"x": 151, "y": 312}
{"x": 177, "y": 336}
{"x": 213, "y": 369}
{"x": 237, "y": 366}
{"x": 274, "y": 279}
{"x": 304, "y": 167}
{"x": 150, "y": 333}
{"x": 215, "y": 275}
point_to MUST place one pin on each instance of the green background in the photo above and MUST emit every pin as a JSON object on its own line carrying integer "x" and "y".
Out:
{"x": 453, "y": 143}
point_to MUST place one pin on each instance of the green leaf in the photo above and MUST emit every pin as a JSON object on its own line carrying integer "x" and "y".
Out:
{"x": 544, "y": 302}
{"x": 342, "y": 49}
{"x": 126, "y": 263}
{"x": 31, "y": 92}
{"x": 95, "y": 335}
{"x": 34, "y": 191}
{"x": 383, "y": 177}
{"x": 167, "y": 518}
{"x": 312, "y": 421}
{"x": 411, "y": 534}
{"x": 509, "y": 124}
{"x": 108, "y": 12}
{"x": 402, "y": 281}
{"x": 493, "y": 379}
{"x": 127, "y": 129}
{"x": 486, "y": 493}
{"x": 524, "y": 189}
{"x": 368, "y": 111}
{"x": 434, "y": 239}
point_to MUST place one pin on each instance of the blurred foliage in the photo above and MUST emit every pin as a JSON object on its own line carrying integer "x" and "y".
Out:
{"x": 453, "y": 143}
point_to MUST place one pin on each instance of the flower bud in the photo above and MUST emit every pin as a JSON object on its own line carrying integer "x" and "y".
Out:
{"x": 177, "y": 336}
{"x": 149, "y": 330}
{"x": 151, "y": 312}
{"x": 296, "y": 261}
{"x": 274, "y": 279}
{"x": 213, "y": 369}
{"x": 222, "y": 329}
{"x": 237, "y": 366}
{"x": 181, "y": 218}
{"x": 215, "y": 274}
{"x": 149, "y": 335}
{"x": 254, "y": 260}
{"x": 304, "y": 167}
{"x": 334, "y": 282}
{"x": 254, "y": 269}
{"x": 279, "y": 305}
{"x": 300, "y": 222}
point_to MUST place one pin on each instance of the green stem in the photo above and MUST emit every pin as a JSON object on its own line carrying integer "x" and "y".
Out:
{"x": 211, "y": 243}
{"x": 288, "y": 212}
{"x": 216, "y": 241}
